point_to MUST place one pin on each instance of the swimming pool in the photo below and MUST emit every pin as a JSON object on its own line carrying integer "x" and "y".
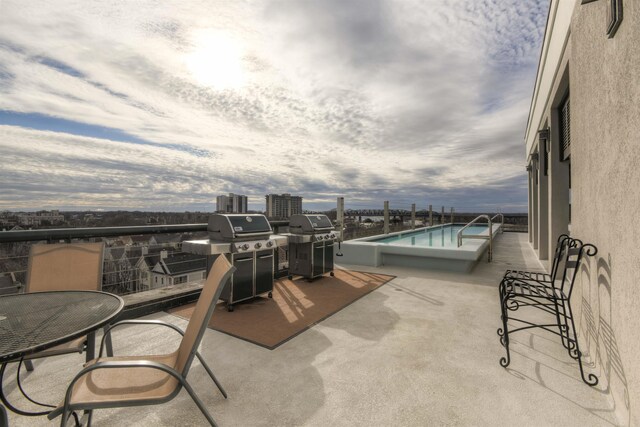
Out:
{"x": 431, "y": 247}
{"x": 441, "y": 236}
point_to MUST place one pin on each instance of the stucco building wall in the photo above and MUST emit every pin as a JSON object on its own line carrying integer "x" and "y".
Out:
{"x": 601, "y": 75}
{"x": 605, "y": 168}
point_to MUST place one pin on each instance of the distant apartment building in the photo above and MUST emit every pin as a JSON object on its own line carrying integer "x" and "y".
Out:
{"x": 583, "y": 163}
{"x": 283, "y": 205}
{"x": 233, "y": 203}
{"x": 40, "y": 218}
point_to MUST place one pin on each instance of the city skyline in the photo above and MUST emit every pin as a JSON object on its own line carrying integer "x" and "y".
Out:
{"x": 163, "y": 107}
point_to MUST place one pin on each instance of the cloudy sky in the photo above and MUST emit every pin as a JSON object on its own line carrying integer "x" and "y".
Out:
{"x": 160, "y": 105}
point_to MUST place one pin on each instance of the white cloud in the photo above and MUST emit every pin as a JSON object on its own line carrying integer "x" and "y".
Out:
{"x": 416, "y": 102}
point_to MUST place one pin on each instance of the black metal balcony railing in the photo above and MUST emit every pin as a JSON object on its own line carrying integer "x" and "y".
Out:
{"x": 128, "y": 265}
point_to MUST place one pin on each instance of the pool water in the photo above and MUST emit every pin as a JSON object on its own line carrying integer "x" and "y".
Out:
{"x": 445, "y": 236}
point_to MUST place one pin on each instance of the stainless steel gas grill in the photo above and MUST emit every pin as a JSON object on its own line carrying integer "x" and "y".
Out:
{"x": 247, "y": 241}
{"x": 311, "y": 241}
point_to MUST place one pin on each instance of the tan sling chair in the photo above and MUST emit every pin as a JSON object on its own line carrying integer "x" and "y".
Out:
{"x": 123, "y": 381}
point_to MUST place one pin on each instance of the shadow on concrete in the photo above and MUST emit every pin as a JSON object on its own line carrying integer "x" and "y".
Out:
{"x": 374, "y": 318}
{"x": 415, "y": 294}
{"x": 571, "y": 388}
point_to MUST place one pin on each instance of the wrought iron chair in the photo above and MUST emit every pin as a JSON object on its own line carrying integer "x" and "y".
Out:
{"x": 552, "y": 296}
{"x": 57, "y": 267}
{"x": 113, "y": 382}
{"x": 541, "y": 278}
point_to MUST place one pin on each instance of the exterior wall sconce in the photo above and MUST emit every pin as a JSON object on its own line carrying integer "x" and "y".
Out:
{"x": 615, "y": 15}
{"x": 535, "y": 166}
{"x": 543, "y": 139}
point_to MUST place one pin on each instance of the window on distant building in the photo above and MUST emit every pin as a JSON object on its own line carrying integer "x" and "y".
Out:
{"x": 180, "y": 279}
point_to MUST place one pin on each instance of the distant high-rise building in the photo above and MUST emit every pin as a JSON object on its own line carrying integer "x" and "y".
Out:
{"x": 233, "y": 203}
{"x": 283, "y": 205}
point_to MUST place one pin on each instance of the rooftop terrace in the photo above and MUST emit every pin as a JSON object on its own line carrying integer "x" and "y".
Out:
{"x": 420, "y": 350}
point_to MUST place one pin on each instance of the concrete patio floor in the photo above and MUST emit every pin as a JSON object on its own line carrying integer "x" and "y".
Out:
{"x": 421, "y": 350}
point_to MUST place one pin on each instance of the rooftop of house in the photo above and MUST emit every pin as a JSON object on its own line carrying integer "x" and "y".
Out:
{"x": 183, "y": 263}
{"x": 420, "y": 350}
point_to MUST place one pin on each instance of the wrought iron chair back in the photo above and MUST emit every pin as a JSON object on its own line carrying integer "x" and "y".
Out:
{"x": 561, "y": 248}
{"x": 575, "y": 252}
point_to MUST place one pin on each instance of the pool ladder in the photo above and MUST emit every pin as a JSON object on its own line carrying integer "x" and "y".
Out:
{"x": 482, "y": 236}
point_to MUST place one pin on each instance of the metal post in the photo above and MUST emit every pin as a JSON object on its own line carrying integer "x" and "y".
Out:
{"x": 413, "y": 216}
{"x": 442, "y": 216}
{"x": 430, "y": 215}
{"x": 386, "y": 218}
{"x": 340, "y": 217}
{"x": 451, "y": 215}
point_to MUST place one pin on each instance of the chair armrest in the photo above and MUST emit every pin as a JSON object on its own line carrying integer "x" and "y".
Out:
{"x": 107, "y": 331}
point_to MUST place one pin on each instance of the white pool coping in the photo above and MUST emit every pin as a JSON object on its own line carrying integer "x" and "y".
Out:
{"x": 365, "y": 251}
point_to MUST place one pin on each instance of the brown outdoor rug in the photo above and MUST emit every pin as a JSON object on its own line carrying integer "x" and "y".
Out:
{"x": 296, "y": 306}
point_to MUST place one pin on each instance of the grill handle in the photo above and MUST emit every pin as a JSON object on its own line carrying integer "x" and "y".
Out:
{"x": 261, "y": 234}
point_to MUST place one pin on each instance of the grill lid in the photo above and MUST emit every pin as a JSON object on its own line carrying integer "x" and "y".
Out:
{"x": 233, "y": 227}
{"x": 309, "y": 224}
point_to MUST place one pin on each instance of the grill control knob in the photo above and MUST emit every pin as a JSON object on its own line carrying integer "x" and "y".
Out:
{"x": 244, "y": 246}
{"x": 269, "y": 243}
{"x": 318, "y": 237}
{"x": 326, "y": 237}
{"x": 332, "y": 235}
{"x": 257, "y": 245}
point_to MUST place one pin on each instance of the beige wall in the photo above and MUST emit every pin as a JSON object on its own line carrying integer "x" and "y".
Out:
{"x": 603, "y": 78}
{"x": 605, "y": 170}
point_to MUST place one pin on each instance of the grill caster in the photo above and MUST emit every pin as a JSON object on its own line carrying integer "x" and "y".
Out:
{"x": 270, "y": 295}
{"x": 229, "y": 308}
{"x": 290, "y": 277}
{"x": 331, "y": 274}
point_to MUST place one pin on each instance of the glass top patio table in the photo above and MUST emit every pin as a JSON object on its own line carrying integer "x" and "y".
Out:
{"x": 33, "y": 322}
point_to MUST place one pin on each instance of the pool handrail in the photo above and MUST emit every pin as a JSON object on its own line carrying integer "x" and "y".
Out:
{"x": 501, "y": 221}
{"x": 478, "y": 236}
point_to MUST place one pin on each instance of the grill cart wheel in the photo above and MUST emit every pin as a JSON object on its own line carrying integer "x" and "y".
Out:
{"x": 229, "y": 307}
{"x": 332, "y": 274}
{"x": 270, "y": 295}
{"x": 290, "y": 277}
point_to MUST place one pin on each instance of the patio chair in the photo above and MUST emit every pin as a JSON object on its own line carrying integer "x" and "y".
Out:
{"x": 123, "y": 381}
{"x": 552, "y": 296}
{"x": 541, "y": 278}
{"x": 64, "y": 267}
{"x": 59, "y": 267}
